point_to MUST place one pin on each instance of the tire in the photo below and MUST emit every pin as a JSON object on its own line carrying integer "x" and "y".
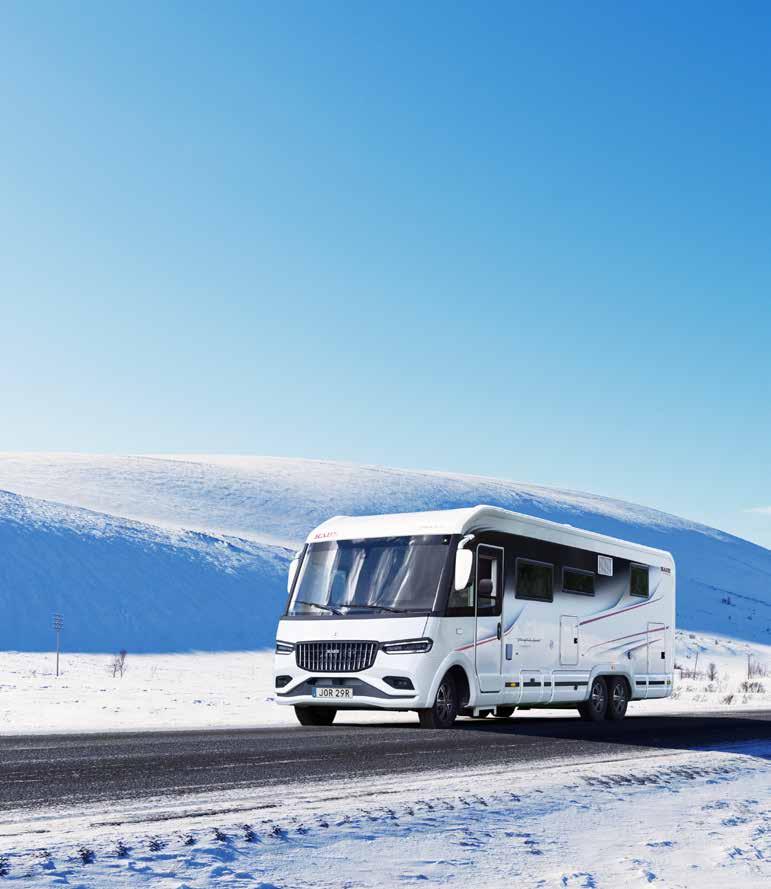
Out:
{"x": 445, "y": 709}
{"x": 618, "y": 699}
{"x": 596, "y": 707}
{"x": 504, "y": 712}
{"x": 315, "y": 715}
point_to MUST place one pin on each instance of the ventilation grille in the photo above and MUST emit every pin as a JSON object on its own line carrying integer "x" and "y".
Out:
{"x": 336, "y": 657}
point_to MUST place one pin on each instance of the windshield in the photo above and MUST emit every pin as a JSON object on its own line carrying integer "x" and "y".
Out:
{"x": 370, "y": 576}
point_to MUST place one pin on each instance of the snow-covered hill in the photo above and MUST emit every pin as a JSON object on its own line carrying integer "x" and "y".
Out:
{"x": 166, "y": 553}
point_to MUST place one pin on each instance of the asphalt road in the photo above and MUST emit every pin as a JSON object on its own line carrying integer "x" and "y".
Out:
{"x": 75, "y": 769}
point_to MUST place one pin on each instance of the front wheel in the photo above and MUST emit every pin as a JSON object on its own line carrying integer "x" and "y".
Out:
{"x": 595, "y": 708}
{"x": 504, "y": 712}
{"x": 315, "y": 715}
{"x": 445, "y": 709}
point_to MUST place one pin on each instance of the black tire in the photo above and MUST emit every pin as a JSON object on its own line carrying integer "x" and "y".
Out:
{"x": 618, "y": 699}
{"x": 504, "y": 712}
{"x": 596, "y": 707}
{"x": 445, "y": 709}
{"x": 315, "y": 715}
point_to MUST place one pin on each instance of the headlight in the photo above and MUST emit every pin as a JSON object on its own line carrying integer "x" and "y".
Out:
{"x": 407, "y": 646}
{"x": 284, "y": 647}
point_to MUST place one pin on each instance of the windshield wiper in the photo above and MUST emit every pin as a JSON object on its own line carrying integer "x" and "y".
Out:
{"x": 328, "y": 608}
{"x": 376, "y": 607}
{"x": 392, "y": 610}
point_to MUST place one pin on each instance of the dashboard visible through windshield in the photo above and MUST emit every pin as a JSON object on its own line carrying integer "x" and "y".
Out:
{"x": 383, "y": 575}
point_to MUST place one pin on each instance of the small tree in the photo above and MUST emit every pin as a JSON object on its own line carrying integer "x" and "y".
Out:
{"x": 119, "y": 663}
{"x": 712, "y": 672}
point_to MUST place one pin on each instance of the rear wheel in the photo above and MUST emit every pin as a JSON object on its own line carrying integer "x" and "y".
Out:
{"x": 504, "y": 712}
{"x": 445, "y": 709}
{"x": 315, "y": 715}
{"x": 618, "y": 698}
{"x": 595, "y": 708}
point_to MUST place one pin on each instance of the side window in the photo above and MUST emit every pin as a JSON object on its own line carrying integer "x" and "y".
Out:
{"x": 461, "y": 602}
{"x": 535, "y": 580}
{"x": 575, "y": 580}
{"x": 489, "y": 580}
{"x": 638, "y": 581}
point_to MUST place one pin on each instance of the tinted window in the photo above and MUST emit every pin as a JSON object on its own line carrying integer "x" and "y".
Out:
{"x": 638, "y": 581}
{"x": 535, "y": 580}
{"x": 575, "y": 581}
{"x": 461, "y": 602}
{"x": 489, "y": 570}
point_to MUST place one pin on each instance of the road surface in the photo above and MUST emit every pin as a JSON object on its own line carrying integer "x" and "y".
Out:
{"x": 73, "y": 770}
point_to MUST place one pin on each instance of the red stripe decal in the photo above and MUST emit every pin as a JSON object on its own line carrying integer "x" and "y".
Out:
{"x": 629, "y": 636}
{"x": 620, "y": 611}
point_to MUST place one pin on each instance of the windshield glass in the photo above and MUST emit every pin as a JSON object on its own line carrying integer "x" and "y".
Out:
{"x": 370, "y": 576}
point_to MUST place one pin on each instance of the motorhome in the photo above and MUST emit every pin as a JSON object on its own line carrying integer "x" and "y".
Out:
{"x": 472, "y": 612}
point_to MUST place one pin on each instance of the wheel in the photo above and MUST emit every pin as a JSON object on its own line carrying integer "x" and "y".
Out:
{"x": 315, "y": 715}
{"x": 595, "y": 708}
{"x": 618, "y": 698}
{"x": 445, "y": 709}
{"x": 504, "y": 712}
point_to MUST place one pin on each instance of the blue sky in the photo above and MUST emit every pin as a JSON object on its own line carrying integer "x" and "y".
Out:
{"x": 507, "y": 239}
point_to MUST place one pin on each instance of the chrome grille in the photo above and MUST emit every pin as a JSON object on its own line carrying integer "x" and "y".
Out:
{"x": 336, "y": 657}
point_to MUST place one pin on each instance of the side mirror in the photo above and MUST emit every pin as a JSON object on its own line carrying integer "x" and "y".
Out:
{"x": 464, "y": 559}
{"x": 485, "y": 589}
{"x": 293, "y": 566}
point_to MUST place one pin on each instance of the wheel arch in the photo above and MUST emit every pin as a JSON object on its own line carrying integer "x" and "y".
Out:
{"x": 459, "y": 671}
{"x": 604, "y": 672}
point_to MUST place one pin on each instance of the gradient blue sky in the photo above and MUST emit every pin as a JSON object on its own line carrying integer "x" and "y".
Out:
{"x": 509, "y": 239}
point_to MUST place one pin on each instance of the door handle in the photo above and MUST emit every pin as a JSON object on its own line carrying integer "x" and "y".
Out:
{"x": 499, "y": 629}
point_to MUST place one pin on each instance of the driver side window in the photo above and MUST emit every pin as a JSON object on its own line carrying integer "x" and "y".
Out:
{"x": 488, "y": 574}
{"x": 461, "y": 602}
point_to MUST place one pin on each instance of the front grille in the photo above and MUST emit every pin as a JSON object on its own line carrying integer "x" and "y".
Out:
{"x": 336, "y": 657}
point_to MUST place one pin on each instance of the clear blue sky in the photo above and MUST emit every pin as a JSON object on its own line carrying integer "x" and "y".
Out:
{"x": 518, "y": 240}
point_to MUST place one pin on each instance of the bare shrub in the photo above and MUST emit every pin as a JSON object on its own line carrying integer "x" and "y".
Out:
{"x": 756, "y": 669}
{"x": 756, "y": 688}
{"x": 728, "y": 699}
{"x": 118, "y": 665}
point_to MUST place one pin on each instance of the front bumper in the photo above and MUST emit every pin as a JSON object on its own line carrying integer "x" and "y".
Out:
{"x": 369, "y": 686}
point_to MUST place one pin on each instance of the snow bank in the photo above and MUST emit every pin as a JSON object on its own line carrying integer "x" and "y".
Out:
{"x": 234, "y": 690}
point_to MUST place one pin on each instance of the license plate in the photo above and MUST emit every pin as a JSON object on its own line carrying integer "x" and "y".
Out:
{"x": 333, "y": 693}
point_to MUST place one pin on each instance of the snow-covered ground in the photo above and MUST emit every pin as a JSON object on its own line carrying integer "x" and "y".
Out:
{"x": 686, "y": 819}
{"x": 234, "y": 690}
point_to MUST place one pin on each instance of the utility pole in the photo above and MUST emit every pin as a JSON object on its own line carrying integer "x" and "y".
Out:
{"x": 58, "y": 621}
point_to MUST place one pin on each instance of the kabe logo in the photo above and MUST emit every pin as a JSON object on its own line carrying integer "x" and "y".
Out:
{"x": 324, "y": 535}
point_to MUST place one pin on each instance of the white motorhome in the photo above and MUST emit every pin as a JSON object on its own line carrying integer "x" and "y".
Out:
{"x": 471, "y": 612}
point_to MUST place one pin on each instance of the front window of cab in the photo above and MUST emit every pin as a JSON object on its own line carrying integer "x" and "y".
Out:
{"x": 385, "y": 575}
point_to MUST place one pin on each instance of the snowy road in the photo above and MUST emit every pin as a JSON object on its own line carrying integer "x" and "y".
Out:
{"x": 69, "y": 770}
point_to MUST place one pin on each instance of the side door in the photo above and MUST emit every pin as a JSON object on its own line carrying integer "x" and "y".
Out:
{"x": 488, "y": 649}
{"x": 657, "y": 649}
{"x": 568, "y": 641}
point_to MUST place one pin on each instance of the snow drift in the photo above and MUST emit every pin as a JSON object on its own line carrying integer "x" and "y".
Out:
{"x": 166, "y": 553}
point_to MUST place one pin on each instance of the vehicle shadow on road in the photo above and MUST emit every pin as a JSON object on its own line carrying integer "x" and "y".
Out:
{"x": 730, "y": 732}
